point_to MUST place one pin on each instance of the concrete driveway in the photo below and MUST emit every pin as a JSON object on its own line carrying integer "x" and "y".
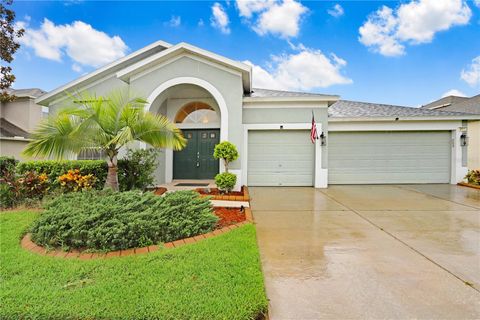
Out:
{"x": 350, "y": 252}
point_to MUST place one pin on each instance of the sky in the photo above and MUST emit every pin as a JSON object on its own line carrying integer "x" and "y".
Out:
{"x": 404, "y": 53}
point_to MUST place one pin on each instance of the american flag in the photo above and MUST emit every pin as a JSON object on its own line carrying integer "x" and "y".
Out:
{"x": 313, "y": 131}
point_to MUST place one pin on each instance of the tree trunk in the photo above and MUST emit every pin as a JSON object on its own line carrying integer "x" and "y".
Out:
{"x": 112, "y": 175}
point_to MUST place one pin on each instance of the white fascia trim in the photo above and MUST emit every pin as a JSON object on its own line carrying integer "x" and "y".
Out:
{"x": 15, "y": 139}
{"x": 286, "y": 105}
{"x": 126, "y": 73}
{"x": 172, "y": 60}
{"x": 41, "y": 100}
{"x": 400, "y": 118}
{"x": 321, "y": 175}
{"x": 290, "y": 99}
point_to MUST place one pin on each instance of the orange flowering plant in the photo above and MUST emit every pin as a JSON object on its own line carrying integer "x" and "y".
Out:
{"x": 33, "y": 185}
{"x": 73, "y": 180}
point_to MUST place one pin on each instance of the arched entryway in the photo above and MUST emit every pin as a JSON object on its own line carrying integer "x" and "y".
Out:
{"x": 196, "y": 160}
{"x": 200, "y": 111}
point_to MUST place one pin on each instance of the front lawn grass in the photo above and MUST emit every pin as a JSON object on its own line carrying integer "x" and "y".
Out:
{"x": 217, "y": 278}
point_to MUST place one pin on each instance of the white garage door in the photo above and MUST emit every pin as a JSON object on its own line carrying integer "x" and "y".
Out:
{"x": 280, "y": 158}
{"x": 389, "y": 157}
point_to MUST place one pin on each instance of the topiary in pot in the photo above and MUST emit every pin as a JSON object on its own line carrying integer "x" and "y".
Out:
{"x": 225, "y": 181}
{"x": 226, "y": 151}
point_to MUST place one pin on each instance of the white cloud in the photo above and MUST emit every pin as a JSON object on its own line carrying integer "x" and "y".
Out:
{"x": 477, "y": 3}
{"x": 175, "y": 21}
{"x": 471, "y": 74}
{"x": 304, "y": 70}
{"x": 337, "y": 11}
{"x": 200, "y": 23}
{"x": 387, "y": 31}
{"x": 454, "y": 92}
{"x": 219, "y": 18}
{"x": 77, "y": 68}
{"x": 78, "y": 40}
{"x": 277, "y": 17}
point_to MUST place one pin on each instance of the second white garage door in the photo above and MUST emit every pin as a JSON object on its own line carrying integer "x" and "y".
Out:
{"x": 280, "y": 158}
{"x": 389, "y": 157}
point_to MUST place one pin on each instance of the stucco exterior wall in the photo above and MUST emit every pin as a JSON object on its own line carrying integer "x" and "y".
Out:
{"x": 474, "y": 145}
{"x": 13, "y": 148}
{"x": 228, "y": 83}
{"x": 22, "y": 112}
{"x": 100, "y": 88}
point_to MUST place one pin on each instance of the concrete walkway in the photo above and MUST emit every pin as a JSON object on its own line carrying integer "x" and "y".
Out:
{"x": 357, "y": 252}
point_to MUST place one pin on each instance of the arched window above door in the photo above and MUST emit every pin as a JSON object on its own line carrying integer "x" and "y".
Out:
{"x": 197, "y": 112}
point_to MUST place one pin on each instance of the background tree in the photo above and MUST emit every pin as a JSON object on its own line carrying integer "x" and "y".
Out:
{"x": 103, "y": 123}
{"x": 8, "y": 46}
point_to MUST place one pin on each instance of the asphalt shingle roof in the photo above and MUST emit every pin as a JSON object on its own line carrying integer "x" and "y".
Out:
{"x": 355, "y": 109}
{"x": 267, "y": 93}
{"x": 459, "y": 104}
{"x": 33, "y": 92}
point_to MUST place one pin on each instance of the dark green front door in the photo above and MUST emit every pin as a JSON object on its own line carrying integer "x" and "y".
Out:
{"x": 196, "y": 160}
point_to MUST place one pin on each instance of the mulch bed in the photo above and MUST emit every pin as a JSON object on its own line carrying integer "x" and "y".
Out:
{"x": 216, "y": 192}
{"x": 229, "y": 216}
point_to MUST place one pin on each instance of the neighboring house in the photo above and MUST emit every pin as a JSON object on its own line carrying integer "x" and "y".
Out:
{"x": 211, "y": 98}
{"x": 17, "y": 119}
{"x": 465, "y": 105}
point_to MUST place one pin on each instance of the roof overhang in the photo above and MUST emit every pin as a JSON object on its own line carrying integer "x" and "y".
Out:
{"x": 324, "y": 98}
{"x": 393, "y": 118}
{"x": 99, "y": 73}
{"x": 185, "y": 48}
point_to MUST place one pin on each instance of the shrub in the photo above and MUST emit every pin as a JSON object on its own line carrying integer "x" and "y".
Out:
{"x": 473, "y": 177}
{"x": 7, "y": 166}
{"x": 225, "y": 181}
{"x": 226, "y": 151}
{"x": 9, "y": 187}
{"x": 8, "y": 198}
{"x": 55, "y": 169}
{"x": 136, "y": 170}
{"x": 73, "y": 180}
{"x": 106, "y": 220}
{"x": 33, "y": 185}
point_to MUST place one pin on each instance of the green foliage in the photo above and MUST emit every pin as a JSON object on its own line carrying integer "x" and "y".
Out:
{"x": 105, "y": 220}
{"x": 227, "y": 151}
{"x": 473, "y": 177}
{"x": 225, "y": 181}
{"x": 33, "y": 185}
{"x": 7, "y": 165}
{"x": 136, "y": 170}
{"x": 216, "y": 278}
{"x": 55, "y": 168}
{"x": 7, "y": 196}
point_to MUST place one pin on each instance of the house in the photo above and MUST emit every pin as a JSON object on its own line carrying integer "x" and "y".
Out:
{"x": 211, "y": 98}
{"x": 17, "y": 119}
{"x": 465, "y": 105}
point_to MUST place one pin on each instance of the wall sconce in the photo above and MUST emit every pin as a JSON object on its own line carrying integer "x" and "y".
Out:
{"x": 323, "y": 139}
{"x": 463, "y": 140}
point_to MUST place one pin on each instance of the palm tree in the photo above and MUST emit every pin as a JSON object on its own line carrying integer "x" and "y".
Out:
{"x": 103, "y": 123}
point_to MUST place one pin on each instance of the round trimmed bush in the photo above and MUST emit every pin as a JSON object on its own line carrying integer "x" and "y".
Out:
{"x": 107, "y": 220}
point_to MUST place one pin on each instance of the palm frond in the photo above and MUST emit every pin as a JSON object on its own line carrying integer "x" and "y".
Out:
{"x": 158, "y": 131}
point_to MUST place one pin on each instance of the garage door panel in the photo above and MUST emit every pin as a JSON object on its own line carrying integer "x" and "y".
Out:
{"x": 389, "y": 157}
{"x": 280, "y": 158}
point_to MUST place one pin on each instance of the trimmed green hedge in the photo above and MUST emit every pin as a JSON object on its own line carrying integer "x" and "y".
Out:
{"x": 107, "y": 220}
{"x": 55, "y": 168}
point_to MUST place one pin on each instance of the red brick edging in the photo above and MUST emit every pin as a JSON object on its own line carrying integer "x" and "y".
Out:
{"x": 29, "y": 245}
{"x": 465, "y": 184}
{"x": 245, "y": 197}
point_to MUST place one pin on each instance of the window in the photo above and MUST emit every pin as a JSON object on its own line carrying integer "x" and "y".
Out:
{"x": 91, "y": 154}
{"x": 196, "y": 112}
